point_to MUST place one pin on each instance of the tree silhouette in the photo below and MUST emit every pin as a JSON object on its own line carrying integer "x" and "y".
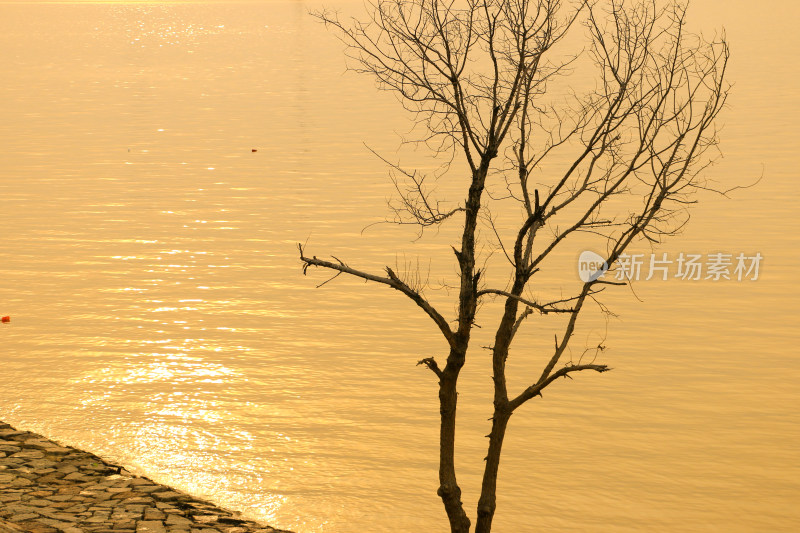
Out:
{"x": 620, "y": 160}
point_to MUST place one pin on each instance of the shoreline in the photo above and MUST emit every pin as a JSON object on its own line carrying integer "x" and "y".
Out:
{"x": 49, "y": 488}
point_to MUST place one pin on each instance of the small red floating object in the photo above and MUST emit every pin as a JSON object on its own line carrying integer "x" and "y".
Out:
{"x": 6, "y": 319}
{"x": 254, "y": 150}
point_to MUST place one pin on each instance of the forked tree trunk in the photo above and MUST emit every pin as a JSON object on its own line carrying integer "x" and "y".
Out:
{"x": 642, "y": 132}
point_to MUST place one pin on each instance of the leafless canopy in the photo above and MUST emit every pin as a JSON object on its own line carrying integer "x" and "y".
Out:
{"x": 620, "y": 158}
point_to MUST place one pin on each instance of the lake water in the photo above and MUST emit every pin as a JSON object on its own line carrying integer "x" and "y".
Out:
{"x": 160, "y": 317}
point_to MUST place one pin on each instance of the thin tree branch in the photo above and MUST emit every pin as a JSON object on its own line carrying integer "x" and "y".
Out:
{"x": 536, "y": 388}
{"x": 392, "y": 281}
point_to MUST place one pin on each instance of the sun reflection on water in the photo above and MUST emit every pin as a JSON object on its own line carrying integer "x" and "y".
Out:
{"x": 191, "y": 433}
{"x": 183, "y": 439}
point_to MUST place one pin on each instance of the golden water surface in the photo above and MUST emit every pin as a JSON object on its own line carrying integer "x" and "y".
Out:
{"x": 159, "y": 316}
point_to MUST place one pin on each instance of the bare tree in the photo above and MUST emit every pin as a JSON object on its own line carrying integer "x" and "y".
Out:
{"x": 620, "y": 160}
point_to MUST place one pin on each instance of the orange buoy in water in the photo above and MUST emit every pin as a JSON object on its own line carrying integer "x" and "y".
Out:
{"x": 6, "y": 319}
{"x": 254, "y": 150}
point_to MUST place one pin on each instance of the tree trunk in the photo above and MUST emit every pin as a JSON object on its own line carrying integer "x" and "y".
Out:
{"x": 449, "y": 490}
{"x": 487, "y": 501}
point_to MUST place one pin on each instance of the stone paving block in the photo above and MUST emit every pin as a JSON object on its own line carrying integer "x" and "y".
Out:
{"x": 123, "y": 495}
{"x": 134, "y": 507}
{"x": 37, "y": 444}
{"x": 38, "y": 503}
{"x": 60, "y": 497}
{"x": 76, "y": 509}
{"x": 107, "y": 503}
{"x": 60, "y": 505}
{"x": 20, "y": 508}
{"x": 8, "y": 527}
{"x": 40, "y": 493}
{"x": 61, "y": 516}
{"x": 146, "y": 488}
{"x": 205, "y": 518}
{"x": 124, "y": 515}
{"x": 29, "y": 454}
{"x": 176, "y": 520}
{"x": 58, "y": 524}
{"x": 150, "y": 526}
{"x": 35, "y": 527}
{"x": 57, "y": 450}
{"x": 154, "y": 514}
{"x": 9, "y": 448}
{"x": 42, "y": 463}
{"x": 23, "y": 517}
{"x": 143, "y": 500}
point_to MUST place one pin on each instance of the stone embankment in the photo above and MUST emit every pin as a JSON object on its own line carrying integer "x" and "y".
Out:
{"x": 49, "y": 488}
